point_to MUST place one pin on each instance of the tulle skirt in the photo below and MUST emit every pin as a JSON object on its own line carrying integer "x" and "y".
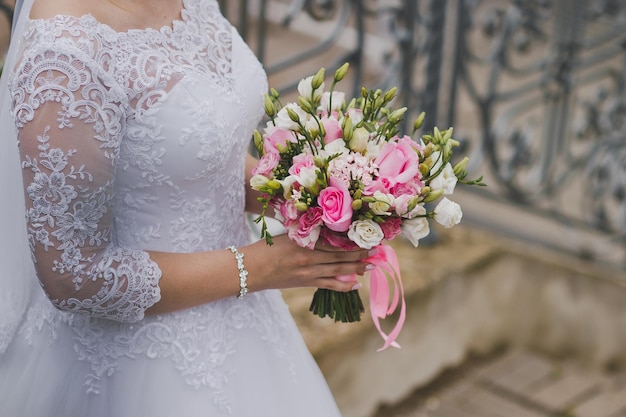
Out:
{"x": 64, "y": 366}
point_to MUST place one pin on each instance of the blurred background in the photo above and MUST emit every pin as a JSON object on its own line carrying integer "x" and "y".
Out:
{"x": 521, "y": 310}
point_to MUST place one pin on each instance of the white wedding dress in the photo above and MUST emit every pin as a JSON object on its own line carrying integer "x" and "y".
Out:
{"x": 130, "y": 142}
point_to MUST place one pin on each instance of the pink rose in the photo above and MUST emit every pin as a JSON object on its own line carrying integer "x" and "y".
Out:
{"x": 301, "y": 161}
{"x": 266, "y": 164}
{"x": 381, "y": 184}
{"x": 332, "y": 128}
{"x": 391, "y": 227}
{"x": 412, "y": 188}
{"x": 275, "y": 137}
{"x": 306, "y": 231}
{"x": 398, "y": 161}
{"x": 336, "y": 204}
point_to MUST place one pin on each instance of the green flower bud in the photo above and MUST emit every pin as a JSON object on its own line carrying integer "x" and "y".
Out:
{"x": 348, "y": 129}
{"x": 459, "y": 168}
{"x": 424, "y": 168}
{"x": 274, "y": 185}
{"x": 268, "y": 104}
{"x": 425, "y": 191}
{"x": 341, "y": 72}
{"x": 293, "y": 115}
{"x": 301, "y": 206}
{"x": 432, "y": 196}
{"x": 274, "y": 93}
{"x": 318, "y": 79}
{"x": 389, "y": 95}
{"x": 357, "y": 204}
{"x": 258, "y": 142}
{"x": 305, "y": 104}
{"x": 397, "y": 115}
{"x": 419, "y": 121}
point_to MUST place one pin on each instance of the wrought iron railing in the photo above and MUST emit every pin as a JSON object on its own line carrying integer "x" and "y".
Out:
{"x": 536, "y": 91}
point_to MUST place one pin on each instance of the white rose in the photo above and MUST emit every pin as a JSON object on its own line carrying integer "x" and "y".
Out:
{"x": 448, "y": 213}
{"x": 258, "y": 182}
{"x": 383, "y": 203}
{"x": 283, "y": 120}
{"x": 337, "y": 101}
{"x": 365, "y": 233}
{"x": 446, "y": 180}
{"x": 306, "y": 89}
{"x": 415, "y": 229}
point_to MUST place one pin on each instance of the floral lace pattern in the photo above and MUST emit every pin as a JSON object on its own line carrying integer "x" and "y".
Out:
{"x": 130, "y": 142}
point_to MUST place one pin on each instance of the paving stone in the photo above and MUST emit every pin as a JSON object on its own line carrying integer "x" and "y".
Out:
{"x": 607, "y": 403}
{"x": 567, "y": 389}
{"x": 480, "y": 401}
{"x": 519, "y": 372}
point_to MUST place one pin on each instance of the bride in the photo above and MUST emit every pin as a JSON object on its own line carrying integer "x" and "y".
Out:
{"x": 129, "y": 285}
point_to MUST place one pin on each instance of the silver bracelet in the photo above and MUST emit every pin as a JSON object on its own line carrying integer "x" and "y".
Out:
{"x": 243, "y": 274}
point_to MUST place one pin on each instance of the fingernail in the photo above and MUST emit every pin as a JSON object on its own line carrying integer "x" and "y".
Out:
{"x": 373, "y": 252}
{"x": 369, "y": 267}
{"x": 357, "y": 286}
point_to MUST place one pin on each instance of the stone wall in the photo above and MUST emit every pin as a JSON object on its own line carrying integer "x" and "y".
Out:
{"x": 470, "y": 293}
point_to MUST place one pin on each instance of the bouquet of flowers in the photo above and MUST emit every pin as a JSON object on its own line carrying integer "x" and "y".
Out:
{"x": 339, "y": 170}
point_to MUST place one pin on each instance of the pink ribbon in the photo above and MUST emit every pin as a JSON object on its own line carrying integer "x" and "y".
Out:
{"x": 386, "y": 264}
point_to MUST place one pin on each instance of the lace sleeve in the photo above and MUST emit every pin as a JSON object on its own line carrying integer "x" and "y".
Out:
{"x": 69, "y": 114}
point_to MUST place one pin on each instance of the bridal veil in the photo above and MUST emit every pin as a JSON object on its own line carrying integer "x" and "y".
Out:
{"x": 17, "y": 275}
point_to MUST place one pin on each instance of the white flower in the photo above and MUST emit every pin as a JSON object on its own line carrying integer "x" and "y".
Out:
{"x": 338, "y": 146}
{"x": 435, "y": 159}
{"x": 306, "y": 89}
{"x": 448, "y": 213}
{"x": 383, "y": 203}
{"x": 307, "y": 176}
{"x": 373, "y": 149}
{"x": 402, "y": 204}
{"x": 445, "y": 181}
{"x": 415, "y": 229}
{"x": 283, "y": 120}
{"x": 359, "y": 140}
{"x": 337, "y": 101}
{"x": 365, "y": 233}
{"x": 356, "y": 115}
{"x": 258, "y": 182}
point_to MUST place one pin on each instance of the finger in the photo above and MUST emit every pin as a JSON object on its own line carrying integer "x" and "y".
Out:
{"x": 330, "y": 283}
{"x": 337, "y": 269}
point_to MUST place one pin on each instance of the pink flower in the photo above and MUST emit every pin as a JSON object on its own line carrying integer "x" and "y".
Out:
{"x": 266, "y": 164}
{"x": 411, "y": 188}
{"x": 337, "y": 240}
{"x": 332, "y": 128}
{"x": 288, "y": 211}
{"x": 275, "y": 137}
{"x": 306, "y": 231}
{"x": 336, "y": 204}
{"x": 381, "y": 184}
{"x": 398, "y": 161}
{"x": 301, "y": 161}
{"x": 391, "y": 227}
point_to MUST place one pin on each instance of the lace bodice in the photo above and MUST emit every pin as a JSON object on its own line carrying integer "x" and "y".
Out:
{"x": 130, "y": 142}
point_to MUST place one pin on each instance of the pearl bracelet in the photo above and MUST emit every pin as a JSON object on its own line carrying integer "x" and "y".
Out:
{"x": 243, "y": 274}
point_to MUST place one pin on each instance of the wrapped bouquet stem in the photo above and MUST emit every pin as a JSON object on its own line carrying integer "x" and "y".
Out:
{"x": 339, "y": 170}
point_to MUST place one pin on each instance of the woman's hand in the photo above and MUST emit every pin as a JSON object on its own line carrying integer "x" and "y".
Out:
{"x": 286, "y": 265}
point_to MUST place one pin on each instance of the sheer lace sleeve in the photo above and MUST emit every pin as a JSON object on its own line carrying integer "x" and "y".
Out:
{"x": 70, "y": 115}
